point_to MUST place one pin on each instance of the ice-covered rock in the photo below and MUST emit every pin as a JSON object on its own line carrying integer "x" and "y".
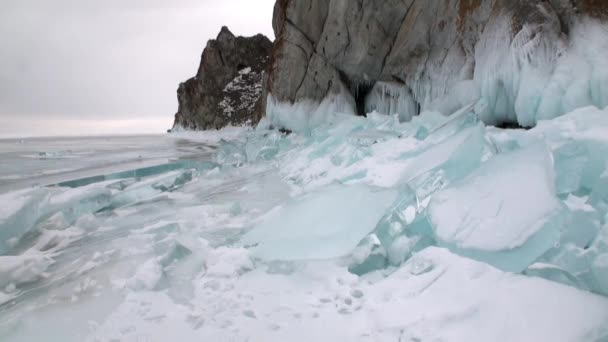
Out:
{"x": 518, "y": 61}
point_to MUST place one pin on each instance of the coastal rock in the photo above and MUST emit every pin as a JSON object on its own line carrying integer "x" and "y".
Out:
{"x": 228, "y": 86}
{"x": 513, "y": 59}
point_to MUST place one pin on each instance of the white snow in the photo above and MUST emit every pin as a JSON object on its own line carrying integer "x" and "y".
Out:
{"x": 452, "y": 299}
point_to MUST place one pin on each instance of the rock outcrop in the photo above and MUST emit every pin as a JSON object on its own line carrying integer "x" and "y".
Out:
{"x": 227, "y": 88}
{"x": 512, "y": 58}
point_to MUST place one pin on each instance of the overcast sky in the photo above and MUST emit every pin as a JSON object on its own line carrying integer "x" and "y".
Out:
{"x": 107, "y": 66}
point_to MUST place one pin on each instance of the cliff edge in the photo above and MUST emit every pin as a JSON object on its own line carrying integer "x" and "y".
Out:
{"x": 517, "y": 61}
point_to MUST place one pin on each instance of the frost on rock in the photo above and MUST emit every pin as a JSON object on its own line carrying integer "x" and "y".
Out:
{"x": 241, "y": 95}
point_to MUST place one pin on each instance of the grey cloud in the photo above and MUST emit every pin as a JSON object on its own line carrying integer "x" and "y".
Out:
{"x": 90, "y": 59}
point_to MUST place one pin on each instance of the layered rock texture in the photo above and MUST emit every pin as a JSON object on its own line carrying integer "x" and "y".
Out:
{"x": 518, "y": 61}
{"x": 227, "y": 88}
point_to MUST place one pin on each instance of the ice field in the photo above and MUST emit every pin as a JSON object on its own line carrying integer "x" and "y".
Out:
{"x": 361, "y": 229}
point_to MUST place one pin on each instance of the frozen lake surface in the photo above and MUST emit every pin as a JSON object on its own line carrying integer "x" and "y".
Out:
{"x": 44, "y": 161}
{"x": 365, "y": 229}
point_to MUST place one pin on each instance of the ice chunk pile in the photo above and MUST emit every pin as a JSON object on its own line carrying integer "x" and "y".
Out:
{"x": 390, "y": 230}
{"x": 523, "y": 201}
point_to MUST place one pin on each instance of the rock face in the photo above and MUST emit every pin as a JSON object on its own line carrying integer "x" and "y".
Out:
{"x": 510, "y": 57}
{"x": 227, "y": 88}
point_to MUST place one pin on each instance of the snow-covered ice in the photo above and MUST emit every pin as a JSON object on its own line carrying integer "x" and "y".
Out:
{"x": 353, "y": 229}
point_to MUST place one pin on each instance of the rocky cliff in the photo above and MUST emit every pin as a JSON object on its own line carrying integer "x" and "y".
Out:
{"x": 227, "y": 88}
{"x": 517, "y": 61}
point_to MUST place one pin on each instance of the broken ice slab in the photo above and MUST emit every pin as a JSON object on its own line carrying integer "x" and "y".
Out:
{"x": 370, "y": 137}
{"x": 263, "y": 146}
{"x": 401, "y": 213}
{"x": 385, "y": 157}
{"x": 368, "y": 256}
{"x": 462, "y": 118}
{"x": 596, "y": 258}
{"x": 449, "y": 160}
{"x": 148, "y": 188}
{"x": 59, "y": 207}
{"x": 431, "y": 166}
{"x": 580, "y": 146}
{"x": 141, "y": 172}
{"x": 505, "y": 213}
{"x": 19, "y": 212}
{"x": 570, "y": 160}
{"x": 599, "y": 274}
{"x": 231, "y": 153}
{"x": 583, "y": 224}
{"x": 601, "y": 240}
{"x": 588, "y": 265}
{"x": 599, "y": 193}
{"x": 393, "y": 238}
{"x": 579, "y": 165}
{"x": 320, "y": 225}
{"x": 401, "y": 232}
{"x": 422, "y": 125}
{"x": 26, "y": 208}
{"x": 185, "y": 257}
{"x": 569, "y": 260}
{"x": 556, "y": 274}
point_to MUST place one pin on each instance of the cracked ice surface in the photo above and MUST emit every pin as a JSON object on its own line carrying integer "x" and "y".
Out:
{"x": 364, "y": 229}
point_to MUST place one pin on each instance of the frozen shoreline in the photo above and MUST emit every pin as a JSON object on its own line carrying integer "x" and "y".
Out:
{"x": 245, "y": 234}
